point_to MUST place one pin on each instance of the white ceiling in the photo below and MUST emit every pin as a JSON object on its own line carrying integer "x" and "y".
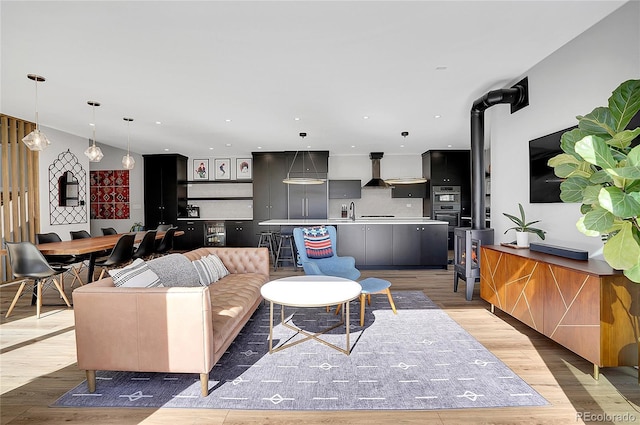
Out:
{"x": 194, "y": 65}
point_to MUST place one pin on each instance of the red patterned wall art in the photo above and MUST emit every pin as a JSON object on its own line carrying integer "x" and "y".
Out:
{"x": 109, "y": 194}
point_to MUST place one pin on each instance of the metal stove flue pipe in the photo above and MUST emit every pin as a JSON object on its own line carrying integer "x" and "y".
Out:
{"x": 518, "y": 97}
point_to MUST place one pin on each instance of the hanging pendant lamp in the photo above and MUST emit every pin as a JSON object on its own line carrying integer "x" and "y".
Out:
{"x": 405, "y": 180}
{"x": 93, "y": 152}
{"x": 127, "y": 161}
{"x": 36, "y": 140}
{"x": 304, "y": 179}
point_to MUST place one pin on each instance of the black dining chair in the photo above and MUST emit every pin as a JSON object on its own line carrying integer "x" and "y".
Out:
{"x": 166, "y": 243}
{"x": 106, "y": 231}
{"x": 121, "y": 254}
{"x": 28, "y": 263}
{"x": 147, "y": 247}
{"x": 163, "y": 227}
{"x": 60, "y": 263}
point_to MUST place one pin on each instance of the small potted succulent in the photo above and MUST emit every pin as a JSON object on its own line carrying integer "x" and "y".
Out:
{"x": 523, "y": 228}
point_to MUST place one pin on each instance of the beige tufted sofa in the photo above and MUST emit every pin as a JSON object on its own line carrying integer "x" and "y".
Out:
{"x": 168, "y": 329}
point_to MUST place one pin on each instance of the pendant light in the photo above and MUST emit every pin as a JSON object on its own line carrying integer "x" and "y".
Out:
{"x": 304, "y": 179}
{"x": 127, "y": 161}
{"x": 36, "y": 140}
{"x": 93, "y": 152}
{"x": 405, "y": 180}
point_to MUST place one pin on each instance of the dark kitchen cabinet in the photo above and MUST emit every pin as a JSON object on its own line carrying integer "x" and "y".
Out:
{"x": 345, "y": 189}
{"x": 420, "y": 245}
{"x": 241, "y": 234}
{"x": 415, "y": 190}
{"x": 193, "y": 235}
{"x": 369, "y": 244}
{"x": 447, "y": 168}
{"x": 308, "y": 162}
{"x": 307, "y": 200}
{"x": 269, "y": 192}
{"x": 165, "y": 189}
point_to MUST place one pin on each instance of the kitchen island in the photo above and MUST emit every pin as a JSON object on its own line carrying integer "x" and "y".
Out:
{"x": 398, "y": 242}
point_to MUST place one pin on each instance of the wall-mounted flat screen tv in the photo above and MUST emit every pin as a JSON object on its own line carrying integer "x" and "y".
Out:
{"x": 544, "y": 185}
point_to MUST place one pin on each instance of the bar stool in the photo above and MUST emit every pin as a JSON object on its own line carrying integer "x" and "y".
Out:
{"x": 285, "y": 251}
{"x": 267, "y": 240}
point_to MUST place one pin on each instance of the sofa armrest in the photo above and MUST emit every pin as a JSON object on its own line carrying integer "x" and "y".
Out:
{"x": 143, "y": 329}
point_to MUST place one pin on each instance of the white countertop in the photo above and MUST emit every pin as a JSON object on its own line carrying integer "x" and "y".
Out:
{"x": 338, "y": 221}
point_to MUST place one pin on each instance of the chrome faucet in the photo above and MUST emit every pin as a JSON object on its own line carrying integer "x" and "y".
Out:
{"x": 352, "y": 209}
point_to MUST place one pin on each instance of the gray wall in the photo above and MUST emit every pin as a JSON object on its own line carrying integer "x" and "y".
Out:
{"x": 113, "y": 161}
{"x": 572, "y": 81}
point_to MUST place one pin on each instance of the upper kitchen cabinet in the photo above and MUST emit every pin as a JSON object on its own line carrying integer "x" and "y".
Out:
{"x": 345, "y": 189}
{"x": 165, "y": 189}
{"x": 415, "y": 190}
{"x": 447, "y": 167}
{"x": 269, "y": 193}
{"x": 308, "y": 163}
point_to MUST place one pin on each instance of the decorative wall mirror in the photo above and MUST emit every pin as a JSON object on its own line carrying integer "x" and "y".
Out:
{"x": 68, "y": 190}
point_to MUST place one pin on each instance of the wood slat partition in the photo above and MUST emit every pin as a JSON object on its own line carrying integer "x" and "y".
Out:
{"x": 20, "y": 190}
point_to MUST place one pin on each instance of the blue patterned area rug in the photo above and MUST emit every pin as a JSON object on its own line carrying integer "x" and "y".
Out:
{"x": 419, "y": 359}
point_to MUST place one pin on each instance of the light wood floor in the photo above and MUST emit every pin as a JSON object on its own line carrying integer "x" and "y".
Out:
{"x": 37, "y": 365}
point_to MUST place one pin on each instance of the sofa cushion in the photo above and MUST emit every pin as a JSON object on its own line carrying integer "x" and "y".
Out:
{"x": 210, "y": 269}
{"x": 174, "y": 270}
{"x": 135, "y": 275}
{"x": 232, "y": 299}
{"x": 219, "y": 266}
{"x": 206, "y": 270}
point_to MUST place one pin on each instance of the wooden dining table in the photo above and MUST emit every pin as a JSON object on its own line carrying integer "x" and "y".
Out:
{"x": 91, "y": 246}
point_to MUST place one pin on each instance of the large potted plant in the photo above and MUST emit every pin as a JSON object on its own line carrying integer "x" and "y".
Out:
{"x": 523, "y": 228}
{"x": 601, "y": 168}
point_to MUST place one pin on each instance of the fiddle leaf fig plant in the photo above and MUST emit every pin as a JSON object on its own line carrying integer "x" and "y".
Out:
{"x": 601, "y": 171}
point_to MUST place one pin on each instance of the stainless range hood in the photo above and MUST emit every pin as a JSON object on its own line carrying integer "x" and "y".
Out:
{"x": 376, "y": 181}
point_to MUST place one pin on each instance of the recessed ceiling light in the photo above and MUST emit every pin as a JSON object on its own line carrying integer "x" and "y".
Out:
{"x": 166, "y": 149}
{"x": 437, "y": 116}
{"x": 228, "y": 145}
{"x": 353, "y": 146}
{"x": 158, "y": 122}
{"x": 402, "y": 146}
{"x": 227, "y": 120}
{"x": 210, "y": 149}
{"x": 365, "y": 117}
{"x": 259, "y": 147}
{"x": 297, "y": 119}
{"x": 92, "y": 124}
{"x": 308, "y": 146}
{"x": 449, "y": 146}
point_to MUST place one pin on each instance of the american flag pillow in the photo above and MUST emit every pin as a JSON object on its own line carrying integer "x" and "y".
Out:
{"x": 317, "y": 243}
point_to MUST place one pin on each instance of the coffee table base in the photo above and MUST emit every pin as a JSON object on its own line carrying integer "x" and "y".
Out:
{"x": 309, "y": 335}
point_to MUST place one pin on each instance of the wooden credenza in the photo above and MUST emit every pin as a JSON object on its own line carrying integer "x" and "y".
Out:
{"x": 586, "y": 306}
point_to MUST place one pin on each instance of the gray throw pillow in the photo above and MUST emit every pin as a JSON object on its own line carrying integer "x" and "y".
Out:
{"x": 174, "y": 270}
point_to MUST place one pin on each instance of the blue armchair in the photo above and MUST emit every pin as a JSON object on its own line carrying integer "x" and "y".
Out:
{"x": 332, "y": 265}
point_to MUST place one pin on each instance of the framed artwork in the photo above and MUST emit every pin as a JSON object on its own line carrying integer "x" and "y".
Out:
{"x": 201, "y": 169}
{"x": 243, "y": 169}
{"x": 222, "y": 169}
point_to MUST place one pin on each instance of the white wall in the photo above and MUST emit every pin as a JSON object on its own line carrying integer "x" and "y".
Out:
{"x": 112, "y": 160}
{"x": 60, "y": 142}
{"x": 572, "y": 81}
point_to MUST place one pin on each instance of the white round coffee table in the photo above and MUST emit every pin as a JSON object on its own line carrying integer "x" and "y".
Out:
{"x": 310, "y": 291}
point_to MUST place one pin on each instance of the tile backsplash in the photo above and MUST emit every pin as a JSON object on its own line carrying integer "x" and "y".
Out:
{"x": 378, "y": 201}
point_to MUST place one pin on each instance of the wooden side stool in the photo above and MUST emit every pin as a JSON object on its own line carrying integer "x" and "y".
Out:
{"x": 374, "y": 285}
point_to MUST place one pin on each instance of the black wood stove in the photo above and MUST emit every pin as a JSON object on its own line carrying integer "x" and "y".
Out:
{"x": 468, "y": 241}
